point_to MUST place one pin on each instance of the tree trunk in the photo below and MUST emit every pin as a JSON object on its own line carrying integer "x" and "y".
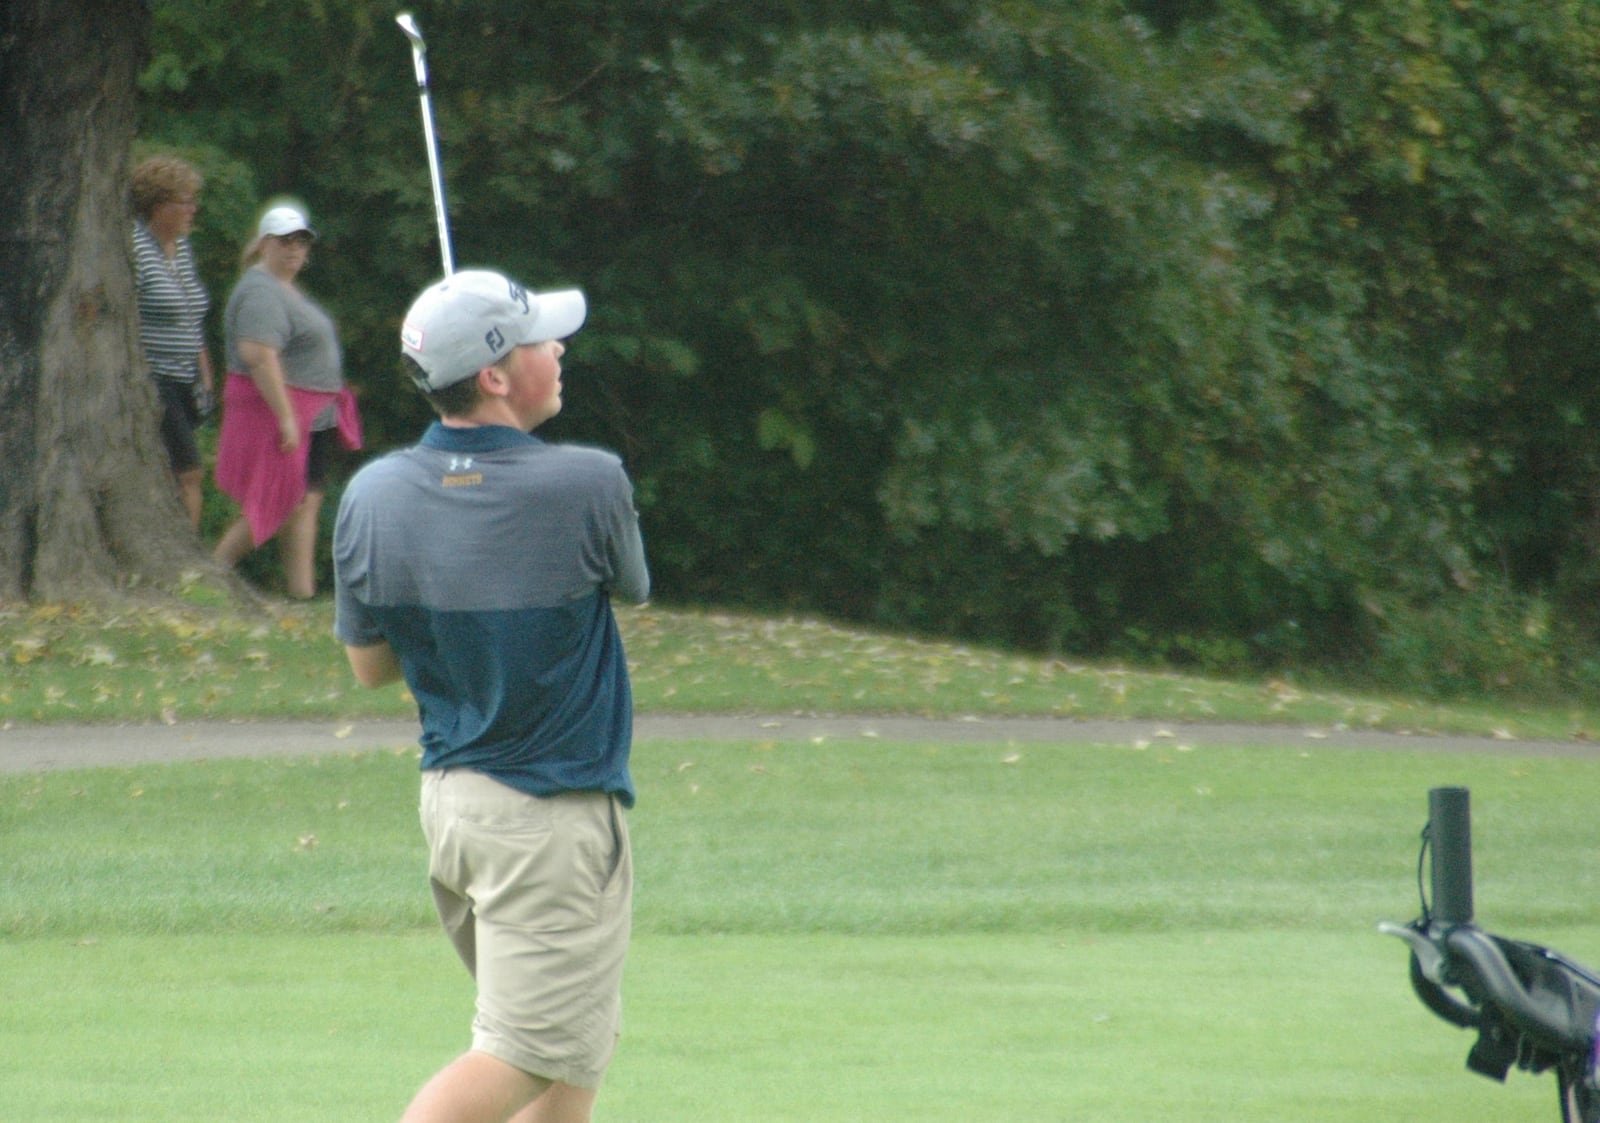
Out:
{"x": 88, "y": 510}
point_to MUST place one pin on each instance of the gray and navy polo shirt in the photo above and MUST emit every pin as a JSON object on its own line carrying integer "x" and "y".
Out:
{"x": 487, "y": 558}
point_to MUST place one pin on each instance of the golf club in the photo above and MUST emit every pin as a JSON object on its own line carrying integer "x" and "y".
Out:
{"x": 419, "y": 51}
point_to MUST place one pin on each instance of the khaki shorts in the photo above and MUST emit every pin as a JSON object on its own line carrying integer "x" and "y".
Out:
{"x": 537, "y": 896}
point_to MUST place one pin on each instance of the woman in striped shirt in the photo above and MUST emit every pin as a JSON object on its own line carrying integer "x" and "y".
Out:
{"x": 172, "y": 310}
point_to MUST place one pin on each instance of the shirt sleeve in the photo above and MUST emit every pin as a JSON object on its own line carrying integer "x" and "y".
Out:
{"x": 261, "y": 316}
{"x": 353, "y": 623}
{"x": 630, "y": 579}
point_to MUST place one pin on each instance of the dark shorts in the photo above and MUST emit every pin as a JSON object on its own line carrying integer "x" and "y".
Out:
{"x": 179, "y": 416}
{"x": 320, "y": 455}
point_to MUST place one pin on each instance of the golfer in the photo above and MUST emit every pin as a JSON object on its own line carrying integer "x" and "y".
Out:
{"x": 479, "y": 565}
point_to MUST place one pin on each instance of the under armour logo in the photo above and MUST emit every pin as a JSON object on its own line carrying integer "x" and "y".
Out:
{"x": 461, "y": 463}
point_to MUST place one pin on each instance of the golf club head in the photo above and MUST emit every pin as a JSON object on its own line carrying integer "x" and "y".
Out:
{"x": 408, "y": 24}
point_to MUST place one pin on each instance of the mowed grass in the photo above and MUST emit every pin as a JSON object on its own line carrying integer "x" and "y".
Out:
{"x": 849, "y": 930}
{"x": 65, "y": 663}
{"x": 1255, "y": 1026}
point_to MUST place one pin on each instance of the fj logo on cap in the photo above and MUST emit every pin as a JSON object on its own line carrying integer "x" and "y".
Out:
{"x": 495, "y": 339}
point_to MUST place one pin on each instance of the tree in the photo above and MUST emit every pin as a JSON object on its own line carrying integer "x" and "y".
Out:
{"x": 1104, "y": 326}
{"x": 87, "y": 509}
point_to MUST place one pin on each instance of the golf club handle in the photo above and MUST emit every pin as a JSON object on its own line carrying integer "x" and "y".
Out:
{"x": 1450, "y": 835}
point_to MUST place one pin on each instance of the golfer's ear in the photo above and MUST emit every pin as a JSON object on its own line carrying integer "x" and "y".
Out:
{"x": 492, "y": 380}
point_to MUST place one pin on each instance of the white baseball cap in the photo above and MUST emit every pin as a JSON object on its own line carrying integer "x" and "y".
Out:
{"x": 282, "y": 221}
{"x": 475, "y": 318}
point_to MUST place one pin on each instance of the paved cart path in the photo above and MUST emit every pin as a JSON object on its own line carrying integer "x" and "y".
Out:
{"x": 38, "y": 748}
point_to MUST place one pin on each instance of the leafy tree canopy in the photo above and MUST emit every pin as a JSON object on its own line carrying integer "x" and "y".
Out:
{"x": 1260, "y": 324}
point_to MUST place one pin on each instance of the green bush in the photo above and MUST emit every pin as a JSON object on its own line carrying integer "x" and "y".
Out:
{"x": 1489, "y": 641}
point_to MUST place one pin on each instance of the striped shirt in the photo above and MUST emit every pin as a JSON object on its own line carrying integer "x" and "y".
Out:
{"x": 172, "y": 306}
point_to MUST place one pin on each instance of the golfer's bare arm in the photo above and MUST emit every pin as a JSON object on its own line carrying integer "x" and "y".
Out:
{"x": 376, "y": 665}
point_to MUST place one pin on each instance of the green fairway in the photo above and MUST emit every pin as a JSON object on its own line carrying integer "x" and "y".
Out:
{"x": 1233, "y": 1026}
{"x": 861, "y": 837}
{"x": 837, "y": 931}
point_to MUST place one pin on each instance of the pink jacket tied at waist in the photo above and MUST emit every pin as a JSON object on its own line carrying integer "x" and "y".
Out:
{"x": 252, "y": 470}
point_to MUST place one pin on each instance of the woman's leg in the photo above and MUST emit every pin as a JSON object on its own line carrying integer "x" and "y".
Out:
{"x": 189, "y": 488}
{"x": 299, "y": 544}
{"x": 234, "y": 544}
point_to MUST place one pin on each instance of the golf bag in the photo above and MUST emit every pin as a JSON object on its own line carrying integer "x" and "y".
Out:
{"x": 1531, "y": 1006}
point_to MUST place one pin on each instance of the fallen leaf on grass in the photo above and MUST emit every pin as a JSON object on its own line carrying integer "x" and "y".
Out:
{"x": 24, "y": 651}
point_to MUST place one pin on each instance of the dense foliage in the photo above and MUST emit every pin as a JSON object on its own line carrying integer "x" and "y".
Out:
{"x": 1220, "y": 330}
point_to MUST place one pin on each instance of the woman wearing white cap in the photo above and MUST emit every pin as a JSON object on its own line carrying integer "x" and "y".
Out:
{"x": 286, "y": 408}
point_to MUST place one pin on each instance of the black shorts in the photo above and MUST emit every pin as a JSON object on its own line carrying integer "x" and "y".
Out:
{"x": 179, "y": 416}
{"x": 319, "y": 458}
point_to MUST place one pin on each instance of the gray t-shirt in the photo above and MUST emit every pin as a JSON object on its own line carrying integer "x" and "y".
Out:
{"x": 291, "y": 323}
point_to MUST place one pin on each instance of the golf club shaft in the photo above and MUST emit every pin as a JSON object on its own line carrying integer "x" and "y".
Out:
{"x": 419, "y": 50}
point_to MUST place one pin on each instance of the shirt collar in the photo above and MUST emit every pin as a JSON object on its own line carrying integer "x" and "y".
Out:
{"x": 477, "y": 438}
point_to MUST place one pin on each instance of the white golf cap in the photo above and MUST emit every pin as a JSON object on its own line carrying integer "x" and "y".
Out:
{"x": 282, "y": 221}
{"x": 475, "y": 318}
